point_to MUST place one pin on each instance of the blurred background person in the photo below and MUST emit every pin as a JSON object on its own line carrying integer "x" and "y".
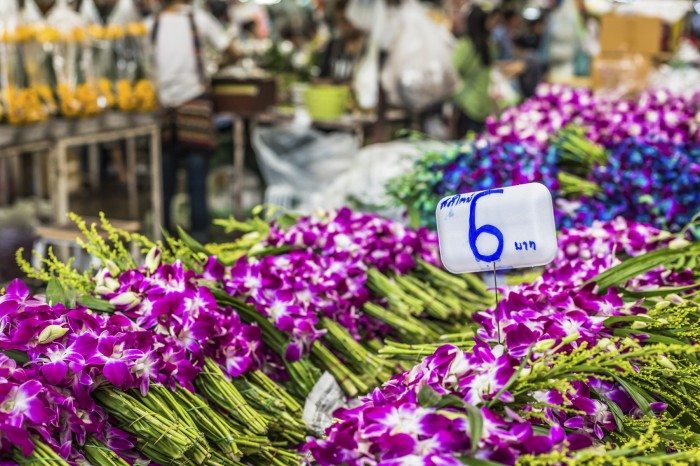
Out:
{"x": 345, "y": 49}
{"x": 178, "y": 33}
{"x": 564, "y": 41}
{"x": 475, "y": 61}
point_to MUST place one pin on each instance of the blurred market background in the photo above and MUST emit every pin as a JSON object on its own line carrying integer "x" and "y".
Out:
{"x": 382, "y": 105}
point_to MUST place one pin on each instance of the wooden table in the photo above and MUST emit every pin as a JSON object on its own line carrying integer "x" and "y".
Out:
{"x": 55, "y": 137}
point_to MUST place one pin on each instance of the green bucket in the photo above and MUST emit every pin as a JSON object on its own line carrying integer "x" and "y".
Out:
{"x": 327, "y": 101}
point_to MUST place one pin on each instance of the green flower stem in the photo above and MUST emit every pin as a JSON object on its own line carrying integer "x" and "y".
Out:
{"x": 357, "y": 355}
{"x": 217, "y": 459}
{"x": 427, "y": 295}
{"x": 463, "y": 282}
{"x": 98, "y": 454}
{"x": 279, "y": 457}
{"x": 220, "y": 434}
{"x": 410, "y": 326}
{"x": 42, "y": 455}
{"x": 385, "y": 287}
{"x": 160, "y": 400}
{"x": 572, "y": 185}
{"x": 266, "y": 383}
{"x": 214, "y": 384}
{"x": 273, "y": 411}
{"x": 159, "y": 438}
{"x": 414, "y": 353}
{"x": 350, "y": 383}
{"x": 287, "y": 428}
{"x": 258, "y": 397}
{"x": 302, "y": 373}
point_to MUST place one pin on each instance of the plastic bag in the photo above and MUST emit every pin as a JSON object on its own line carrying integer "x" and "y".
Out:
{"x": 363, "y": 185}
{"x": 365, "y": 84}
{"x": 19, "y": 101}
{"x": 76, "y": 85}
{"x": 100, "y": 40}
{"x": 124, "y": 13}
{"x": 303, "y": 161}
{"x": 366, "y": 80}
{"x": 37, "y": 55}
{"x": 133, "y": 62}
{"x": 501, "y": 90}
{"x": 419, "y": 72}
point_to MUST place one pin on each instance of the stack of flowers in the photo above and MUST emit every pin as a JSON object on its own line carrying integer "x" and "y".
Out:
{"x": 156, "y": 361}
{"x": 349, "y": 279}
{"x": 151, "y": 347}
{"x": 641, "y": 159}
{"x": 138, "y": 358}
{"x": 556, "y": 374}
{"x": 656, "y": 115}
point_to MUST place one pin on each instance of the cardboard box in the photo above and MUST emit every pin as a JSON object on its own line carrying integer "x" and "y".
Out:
{"x": 620, "y": 73}
{"x": 631, "y": 34}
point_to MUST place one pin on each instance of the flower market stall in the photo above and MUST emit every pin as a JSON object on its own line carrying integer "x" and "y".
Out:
{"x": 333, "y": 335}
{"x": 207, "y": 354}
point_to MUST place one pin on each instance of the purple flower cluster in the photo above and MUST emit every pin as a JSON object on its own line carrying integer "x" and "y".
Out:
{"x": 378, "y": 242}
{"x": 49, "y": 397}
{"x": 652, "y": 183}
{"x": 184, "y": 318}
{"x": 651, "y": 168}
{"x": 326, "y": 275}
{"x": 294, "y": 289}
{"x": 164, "y": 324}
{"x": 391, "y": 427}
{"x": 657, "y": 116}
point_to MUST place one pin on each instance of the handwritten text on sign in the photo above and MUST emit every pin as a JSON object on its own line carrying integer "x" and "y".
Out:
{"x": 512, "y": 227}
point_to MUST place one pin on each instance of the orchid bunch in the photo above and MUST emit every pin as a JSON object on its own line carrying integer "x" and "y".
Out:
{"x": 36, "y": 407}
{"x": 348, "y": 278}
{"x": 167, "y": 299}
{"x": 651, "y": 183}
{"x": 532, "y": 381}
{"x": 635, "y": 158}
{"x": 656, "y": 116}
{"x": 381, "y": 243}
{"x": 555, "y": 368}
{"x": 97, "y": 358}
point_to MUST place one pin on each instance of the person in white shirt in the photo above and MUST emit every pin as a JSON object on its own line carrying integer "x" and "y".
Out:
{"x": 178, "y": 34}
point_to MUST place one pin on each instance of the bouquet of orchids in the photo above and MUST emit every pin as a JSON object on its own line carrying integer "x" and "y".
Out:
{"x": 567, "y": 369}
{"x": 207, "y": 354}
{"x": 600, "y": 157}
{"x": 179, "y": 350}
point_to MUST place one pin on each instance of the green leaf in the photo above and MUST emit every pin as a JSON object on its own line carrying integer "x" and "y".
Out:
{"x": 660, "y": 292}
{"x": 477, "y": 462}
{"x": 192, "y": 243}
{"x": 96, "y": 304}
{"x": 634, "y": 266}
{"x": 651, "y": 337}
{"x": 639, "y": 395}
{"x": 476, "y": 425}
{"x": 617, "y": 413}
{"x": 610, "y": 321}
{"x": 271, "y": 251}
{"x": 286, "y": 220}
{"x": 71, "y": 298}
{"x": 450, "y": 401}
{"x": 427, "y": 397}
{"x": 55, "y": 294}
{"x": 19, "y": 357}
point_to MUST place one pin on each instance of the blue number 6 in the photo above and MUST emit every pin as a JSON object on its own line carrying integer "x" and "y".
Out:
{"x": 474, "y": 232}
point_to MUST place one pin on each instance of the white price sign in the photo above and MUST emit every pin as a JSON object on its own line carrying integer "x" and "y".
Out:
{"x": 510, "y": 227}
